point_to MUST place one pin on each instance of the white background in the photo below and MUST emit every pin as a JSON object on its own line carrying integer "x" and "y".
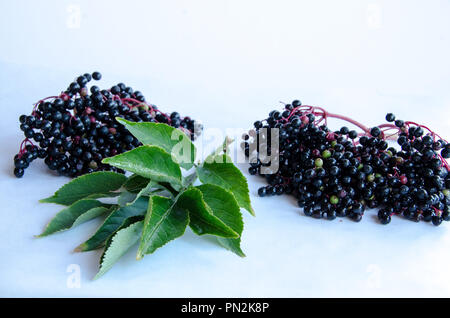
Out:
{"x": 229, "y": 63}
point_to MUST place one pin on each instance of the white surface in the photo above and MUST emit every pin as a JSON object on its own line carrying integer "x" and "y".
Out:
{"x": 229, "y": 63}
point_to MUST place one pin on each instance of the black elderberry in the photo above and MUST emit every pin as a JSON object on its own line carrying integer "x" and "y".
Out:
{"x": 356, "y": 217}
{"x": 296, "y": 103}
{"x": 390, "y": 117}
{"x": 97, "y": 76}
{"x": 74, "y": 87}
{"x": 18, "y": 172}
{"x": 342, "y": 173}
{"x": 445, "y": 152}
{"x": 75, "y": 130}
{"x": 384, "y": 217}
{"x": 29, "y": 133}
{"x": 446, "y": 216}
{"x": 437, "y": 220}
{"x": 253, "y": 170}
{"x": 375, "y": 131}
{"x": 399, "y": 123}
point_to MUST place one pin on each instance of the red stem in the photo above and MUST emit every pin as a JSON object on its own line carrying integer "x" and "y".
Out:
{"x": 354, "y": 122}
{"x": 22, "y": 148}
{"x": 323, "y": 114}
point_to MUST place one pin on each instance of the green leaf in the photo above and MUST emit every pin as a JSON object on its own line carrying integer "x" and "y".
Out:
{"x": 151, "y": 188}
{"x": 164, "y": 222}
{"x": 202, "y": 219}
{"x": 190, "y": 179}
{"x": 169, "y": 138}
{"x": 136, "y": 183}
{"x": 91, "y": 214}
{"x": 222, "y": 172}
{"x": 121, "y": 242}
{"x": 68, "y": 217}
{"x": 102, "y": 195}
{"x": 151, "y": 162}
{"x": 112, "y": 223}
{"x": 125, "y": 224}
{"x": 126, "y": 197}
{"x": 224, "y": 206}
{"x": 93, "y": 185}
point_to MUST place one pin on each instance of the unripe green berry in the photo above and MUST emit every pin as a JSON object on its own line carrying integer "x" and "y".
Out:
{"x": 334, "y": 199}
{"x": 318, "y": 162}
{"x": 326, "y": 154}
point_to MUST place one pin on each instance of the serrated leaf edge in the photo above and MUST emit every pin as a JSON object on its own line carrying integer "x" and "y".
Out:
{"x": 114, "y": 239}
{"x": 170, "y": 178}
{"x": 211, "y": 213}
{"x": 240, "y": 253}
{"x": 142, "y": 251}
{"x": 68, "y": 228}
{"x": 55, "y": 195}
{"x": 185, "y": 165}
{"x": 250, "y": 210}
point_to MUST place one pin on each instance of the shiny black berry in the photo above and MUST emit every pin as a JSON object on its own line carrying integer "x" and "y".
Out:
{"x": 76, "y": 130}
{"x": 97, "y": 76}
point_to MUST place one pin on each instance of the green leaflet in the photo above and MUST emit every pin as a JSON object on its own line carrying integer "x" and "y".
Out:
{"x": 202, "y": 220}
{"x": 121, "y": 242}
{"x": 164, "y": 222}
{"x": 172, "y": 140}
{"x": 190, "y": 179}
{"x": 223, "y": 173}
{"x": 224, "y": 206}
{"x": 101, "y": 195}
{"x": 135, "y": 183}
{"x": 93, "y": 185}
{"x": 112, "y": 223}
{"x": 91, "y": 214}
{"x": 73, "y": 215}
{"x": 128, "y": 198}
{"x": 125, "y": 224}
{"x": 151, "y": 162}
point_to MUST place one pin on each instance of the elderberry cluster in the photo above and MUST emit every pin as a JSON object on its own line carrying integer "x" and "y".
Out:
{"x": 74, "y": 131}
{"x": 342, "y": 173}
